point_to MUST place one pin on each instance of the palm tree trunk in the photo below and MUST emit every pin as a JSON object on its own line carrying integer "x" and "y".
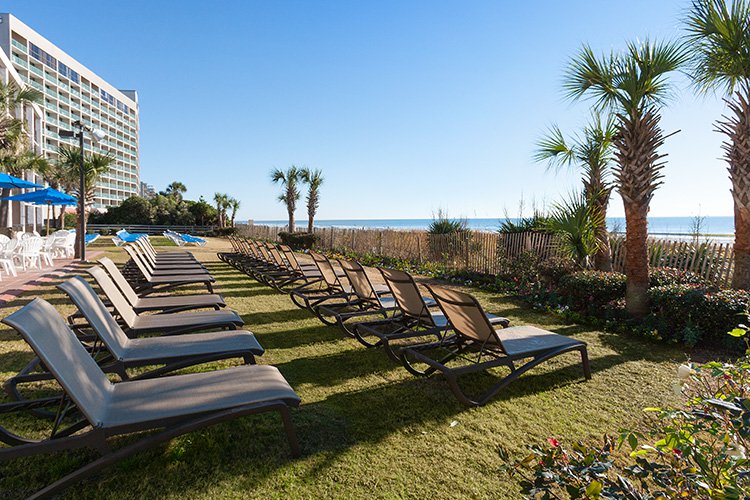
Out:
{"x": 5, "y": 192}
{"x": 603, "y": 256}
{"x": 741, "y": 275}
{"x": 291, "y": 221}
{"x": 636, "y": 259}
{"x": 737, "y": 153}
{"x": 310, "y": 223}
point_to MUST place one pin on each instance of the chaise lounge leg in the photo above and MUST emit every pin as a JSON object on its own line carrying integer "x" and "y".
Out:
{"x": 291, "y": 434}
{"x": 585, "y": 363}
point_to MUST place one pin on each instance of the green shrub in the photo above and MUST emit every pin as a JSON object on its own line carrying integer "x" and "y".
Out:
{"x": 554, "y": 269}
{"x": 590, "y": 291}
{"x": 661, "y": 276}
{"x": 224, "y": 231}
{"x": 299, "y": 241}
{"x": 685, "y": 313}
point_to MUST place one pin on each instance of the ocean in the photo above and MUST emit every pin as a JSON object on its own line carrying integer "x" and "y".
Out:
{"x": 714, "y": 227}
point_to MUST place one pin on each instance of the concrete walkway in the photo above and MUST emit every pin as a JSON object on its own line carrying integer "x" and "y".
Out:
{"x": 12, "y": 287}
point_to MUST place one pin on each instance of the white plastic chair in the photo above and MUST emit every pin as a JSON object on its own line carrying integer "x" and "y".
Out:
{"x": 47, "y": 251}
{"x": 6, "y": 255}
{"x": 28, "y": 253}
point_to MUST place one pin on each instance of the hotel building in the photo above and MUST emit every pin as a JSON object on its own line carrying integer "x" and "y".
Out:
{"x": 74, "y": 92}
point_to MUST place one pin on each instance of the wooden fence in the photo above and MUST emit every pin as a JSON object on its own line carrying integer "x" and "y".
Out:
{"x": 712, "y": 261}
{"x": 490, "y": 253}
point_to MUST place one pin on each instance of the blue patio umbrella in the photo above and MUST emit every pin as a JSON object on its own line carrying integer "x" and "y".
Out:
{"x": 46, "y": 196}
{"x": 10, "y": 182}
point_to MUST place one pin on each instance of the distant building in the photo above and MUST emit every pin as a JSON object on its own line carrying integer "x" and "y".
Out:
{"x": 24, "y": 215}
{"x": 74, "y": 92}
{"x": 147, "y": 191}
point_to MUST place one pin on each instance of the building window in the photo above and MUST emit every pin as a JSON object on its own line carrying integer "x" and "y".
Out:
{"x": 36, "y": 52}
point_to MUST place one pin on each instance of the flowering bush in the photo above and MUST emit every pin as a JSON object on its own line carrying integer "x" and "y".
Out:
{"x": 589, "y": 291}
{"x": 698, "y": 451}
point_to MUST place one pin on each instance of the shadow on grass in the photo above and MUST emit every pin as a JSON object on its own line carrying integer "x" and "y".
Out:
{"x": 299, "y": 337}
{"x": 281, "y": 316}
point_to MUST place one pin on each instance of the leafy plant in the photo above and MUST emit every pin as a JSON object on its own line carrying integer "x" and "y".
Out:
{"x": 314, "y": 179}
{"x": 577, "y": 223}
{"x": 696, "y": 451}
{"x": 289, "y": 180}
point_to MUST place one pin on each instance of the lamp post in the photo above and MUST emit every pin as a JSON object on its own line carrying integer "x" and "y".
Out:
{"x": 97, "y": 135}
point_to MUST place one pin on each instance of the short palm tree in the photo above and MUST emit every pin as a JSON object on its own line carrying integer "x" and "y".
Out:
{"x": 634, "y": 85}
{"x": 234, "y": 204}
{"x": 576, "y": 221}
{"x": 289, "y": 180}
{"x": 176, "y": 189}
{"x": 313, "y": 179}
{"x": 718, "y": 35}
{"x": 591, "y": 152}
{"x": 95, "y": 165}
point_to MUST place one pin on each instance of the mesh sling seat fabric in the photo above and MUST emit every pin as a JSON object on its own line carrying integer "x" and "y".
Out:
{"x": 172, "y": 405}
{"x": 481, "y": 347}
{"x": 143, "y": 324}
{"x": 151, "y": 283}
{"x": 416, "y": 319}
{"x": 363, "y": 300}
{"x": 172, "y": 303}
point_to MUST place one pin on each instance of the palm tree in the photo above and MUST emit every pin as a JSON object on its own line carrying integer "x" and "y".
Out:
{"x": 225, "y": 204}
{"x": 313, "y": 179}
{"x": 290, "y": 195}
{"x": 219, "y": 199}
{"x": 591, "y": 152}
{"x": 577, "y": 222}
{"x": 176, "y": 189}
{"x": 634, "y": 85}
{"x": 15, "y": 155}
{"x": 719, "y": 38}
{"x": 94, "y": 166}
{"x": 234, "y": 204}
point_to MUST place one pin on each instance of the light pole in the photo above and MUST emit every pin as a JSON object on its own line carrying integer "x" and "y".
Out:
{"x": 97, "y": 135}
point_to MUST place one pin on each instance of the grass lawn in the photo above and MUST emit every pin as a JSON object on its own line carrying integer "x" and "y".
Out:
{"x": 366, "y": 426}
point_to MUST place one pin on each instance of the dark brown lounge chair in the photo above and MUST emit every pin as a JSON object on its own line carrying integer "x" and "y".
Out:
{"x": 101, "y": 409}
{"x": 418, "y": 318}
{"x": 477, "y": 343}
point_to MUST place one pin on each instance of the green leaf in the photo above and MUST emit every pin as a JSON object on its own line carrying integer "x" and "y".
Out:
{"x": 737, "y": 332}
{"x": 632, "y": 441}
{"x": 594, "y": 489}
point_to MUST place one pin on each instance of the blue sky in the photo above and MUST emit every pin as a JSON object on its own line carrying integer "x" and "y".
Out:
{"x": 407, "y": 106}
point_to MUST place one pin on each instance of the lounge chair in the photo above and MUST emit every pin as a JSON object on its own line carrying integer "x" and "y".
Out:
{"x": 151, "y": 283}
{"x": 169, "y": 268}
{"x": 172, "y": 303}
{"x": 328, "y": 288}
{"x": 175, "y": 352}
{"x": 129, "y": 237}
{"x": 189, "y": 239}
{"x": 173, "y": 405}
{"x": 80, "y": 292}
{"x": 164, "y": 254}
{"x": 362, "y": 300}
{"x": 159, "y": 258}
{"x": 418, "y": 318}
{"x": 477, "y": 343}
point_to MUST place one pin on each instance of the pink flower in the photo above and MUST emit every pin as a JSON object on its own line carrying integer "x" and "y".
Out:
{"x": 554, "y": 442}
{"x": 677, "y": 452}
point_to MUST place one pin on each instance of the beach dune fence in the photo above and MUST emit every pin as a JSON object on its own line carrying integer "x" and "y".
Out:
{"x": 489, "y": 253}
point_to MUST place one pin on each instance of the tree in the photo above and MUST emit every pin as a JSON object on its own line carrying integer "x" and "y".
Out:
{"x": 220, "y": 199}
{"x": 577, "y": 222}
{"x": 15, "y": 154}
{"x": 591, "y": 153}
{"x": 234, "y": 204}
{"x": 313, "y": 179}
{"x": 203, "y": 212}
{"x": 719, "y": 39}
{"x": 176, "y": 189}
{"x": 94, "y": 166}
{"x": 290, "y": 195}
{"x": 634, "y": 85}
